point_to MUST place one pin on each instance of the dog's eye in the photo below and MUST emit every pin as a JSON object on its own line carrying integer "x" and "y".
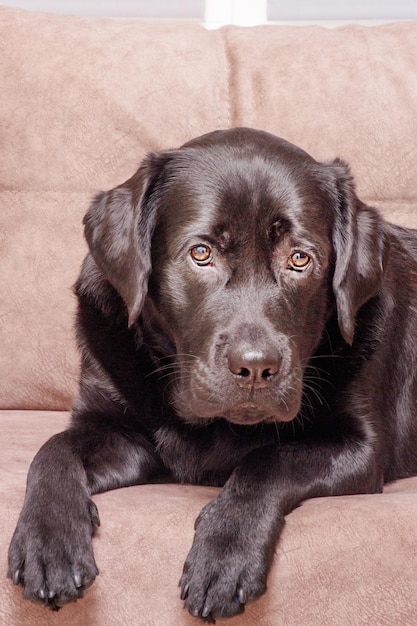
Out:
{"x": 299, "y": 261}
{"x": 202, "y": 255}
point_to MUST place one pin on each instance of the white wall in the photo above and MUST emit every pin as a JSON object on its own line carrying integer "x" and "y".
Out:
{"x": 341, "y": 9}
{"x": 115, "y": 8}
{"x": 231, "y": 11}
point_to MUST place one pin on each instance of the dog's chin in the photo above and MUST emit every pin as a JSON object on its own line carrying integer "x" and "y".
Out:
{"x": 250, "y": 414}
{"x": 245, "y": 414}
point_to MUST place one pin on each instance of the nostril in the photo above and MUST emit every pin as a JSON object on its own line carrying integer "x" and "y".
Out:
{"x": 269, "y": 373}
{"x": 244, "y": 372}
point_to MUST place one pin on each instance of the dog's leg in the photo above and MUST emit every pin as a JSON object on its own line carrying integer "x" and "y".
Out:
{"x": 51, "y": 551}
{"x": 236, "y": 533}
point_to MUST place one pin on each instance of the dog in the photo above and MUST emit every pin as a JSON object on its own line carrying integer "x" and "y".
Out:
{"x": 244, "y": 321}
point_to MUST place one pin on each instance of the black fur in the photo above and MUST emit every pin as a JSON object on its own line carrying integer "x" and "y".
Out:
{"x": 244, "y": 321}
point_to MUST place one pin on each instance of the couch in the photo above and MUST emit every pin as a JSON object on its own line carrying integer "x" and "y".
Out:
{"x": 82, "y": 101}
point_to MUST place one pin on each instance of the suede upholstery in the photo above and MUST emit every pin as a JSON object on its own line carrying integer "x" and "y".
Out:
{"x": 82, "y": 101}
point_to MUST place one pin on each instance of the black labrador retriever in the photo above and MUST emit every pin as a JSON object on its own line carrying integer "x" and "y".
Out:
{"x": 244, "y": 321}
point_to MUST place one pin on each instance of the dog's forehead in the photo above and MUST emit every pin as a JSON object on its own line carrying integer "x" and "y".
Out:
{"x": 224, "y": 186}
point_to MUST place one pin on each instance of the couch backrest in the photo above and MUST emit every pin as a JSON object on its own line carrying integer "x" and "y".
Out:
{"x": 83, "y": 100}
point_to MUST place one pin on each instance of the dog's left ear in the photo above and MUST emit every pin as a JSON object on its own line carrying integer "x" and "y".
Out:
{"x": 361, "y": 251}
{"x": 119, "y": 226}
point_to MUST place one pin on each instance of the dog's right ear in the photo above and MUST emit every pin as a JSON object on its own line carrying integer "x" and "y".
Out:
{"x": 119, "y": 226}
{"x": 361, "y": 249}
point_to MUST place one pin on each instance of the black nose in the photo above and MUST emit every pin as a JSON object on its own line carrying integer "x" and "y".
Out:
{"x": 253, "y": 366}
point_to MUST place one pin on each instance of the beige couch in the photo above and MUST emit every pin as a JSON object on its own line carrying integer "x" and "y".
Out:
{"x": 81, "y": 102}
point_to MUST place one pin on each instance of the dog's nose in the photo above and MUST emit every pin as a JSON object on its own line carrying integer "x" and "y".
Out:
{"x": 253, "y": 367}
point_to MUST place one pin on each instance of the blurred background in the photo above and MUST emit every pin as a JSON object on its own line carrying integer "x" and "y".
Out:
{"x": 215, "y": 13}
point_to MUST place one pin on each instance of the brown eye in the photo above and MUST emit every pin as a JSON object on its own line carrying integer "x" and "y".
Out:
{"x": 202, "y": 255}
{"x": 299, "y": 261}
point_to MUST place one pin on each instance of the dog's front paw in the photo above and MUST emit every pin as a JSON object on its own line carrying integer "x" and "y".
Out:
{"x": 219, "y": 587}
{"x": 51, "y": 553}
{"x": 226, "y": 567}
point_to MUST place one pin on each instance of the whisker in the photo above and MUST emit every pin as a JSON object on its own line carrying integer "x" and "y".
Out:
{"x": 320, "y": 397}
{"x": 175, "y": 366}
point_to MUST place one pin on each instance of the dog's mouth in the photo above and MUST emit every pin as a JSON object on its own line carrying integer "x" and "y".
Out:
{"x": 201, "y": 398}
{"x": 244, "y": 414}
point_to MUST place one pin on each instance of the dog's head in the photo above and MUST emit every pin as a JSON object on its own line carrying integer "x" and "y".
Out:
{"x": 237, "y": 247}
